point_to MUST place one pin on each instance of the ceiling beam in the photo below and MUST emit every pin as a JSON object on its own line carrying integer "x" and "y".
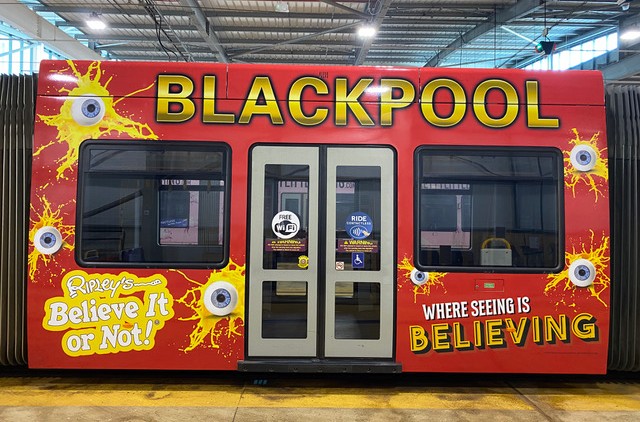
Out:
{"x": 201, "y": 22}
{"x": 295, "y": 40}
{"x": 376, "y": 21}
{"x": 37, "y": 28}
{"x": 346, "y": 8}
{"x": 622, "y": 69}
{"x": 217, "y": 13}
{"x": 503, "y": 17}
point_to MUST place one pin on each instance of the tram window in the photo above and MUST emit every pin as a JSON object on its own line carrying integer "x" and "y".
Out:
{"x": 286, "y": 216}
{"x": 153, "y": 204}
{"x": 491, "y": 209}
{"x": 358, "y": 202}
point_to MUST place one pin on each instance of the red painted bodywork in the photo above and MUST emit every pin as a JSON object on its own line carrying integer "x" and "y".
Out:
{"x": 576, "y": 98}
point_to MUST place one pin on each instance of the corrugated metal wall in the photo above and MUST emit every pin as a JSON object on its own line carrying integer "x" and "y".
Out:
{"x": 17, "y": 97}
{"x": 623, "y": 132}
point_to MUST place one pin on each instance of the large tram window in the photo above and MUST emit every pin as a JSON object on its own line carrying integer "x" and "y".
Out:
{"x": 491, "y": 209}
{"x": 153, "y": 204}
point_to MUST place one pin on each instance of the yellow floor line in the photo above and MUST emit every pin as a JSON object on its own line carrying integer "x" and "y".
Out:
{"x": 64, "y": 392}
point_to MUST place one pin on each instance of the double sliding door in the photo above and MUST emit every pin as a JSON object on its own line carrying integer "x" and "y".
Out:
{"x": 321, "y": 256}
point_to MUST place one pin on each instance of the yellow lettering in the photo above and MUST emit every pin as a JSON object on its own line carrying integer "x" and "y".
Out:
{"x": 555, "y": 329}
{"x": 459, "y": 102}
{"x": 295, "y": 101}
{"x": 517, "y": 334}
{"x": 261, "y": 88}
{"x": 584, "y": 327}
{"x": 440, "y": 337}
{"x": 477, "y": 333}
{"x": 419, "y": 341}
{"x": 495, "y": 337}
{"x": 511, "y": 103}
{"x": 537, "y": 329}
{"x": 180, "y": 99}
{"x": 350, "y": 100}
{"x": 533, "y": 109}
{"x": 209, "y": 114}
{"x": 389, "y": 102}
{"x": 458, "y": 337}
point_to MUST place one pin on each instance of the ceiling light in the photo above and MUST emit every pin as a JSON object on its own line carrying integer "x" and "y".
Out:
{"x": 95, "y": 22}
{"x": 366, "y": 31}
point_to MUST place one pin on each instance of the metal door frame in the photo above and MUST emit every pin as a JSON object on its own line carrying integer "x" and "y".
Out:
{"x": 321, "y": 315}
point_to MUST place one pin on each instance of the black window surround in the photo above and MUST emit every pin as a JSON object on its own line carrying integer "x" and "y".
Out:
{"x": 153, "y": 204}
{"x": 506, "y": 204}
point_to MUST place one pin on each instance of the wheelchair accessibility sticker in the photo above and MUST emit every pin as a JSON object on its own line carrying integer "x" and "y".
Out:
{"x": 357, "y": 259}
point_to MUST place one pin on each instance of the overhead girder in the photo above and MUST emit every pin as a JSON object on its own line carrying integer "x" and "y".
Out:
{"x": 37, "y": 28}
{"x": 521, "y": 8}
{"x": 202, "y": 24}
{"x": 376, "y": 21}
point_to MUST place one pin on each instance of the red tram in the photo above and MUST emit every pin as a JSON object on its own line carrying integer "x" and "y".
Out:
{"x": 297, "y": 218}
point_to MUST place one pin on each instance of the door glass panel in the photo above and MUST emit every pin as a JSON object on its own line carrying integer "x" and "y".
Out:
{"x": 284, "y": 309}
{"x": 358, "y": 218}
{"x": 357, "y": 308}
{"x": 286, "y": 211}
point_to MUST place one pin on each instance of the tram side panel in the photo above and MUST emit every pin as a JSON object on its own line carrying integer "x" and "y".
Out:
{"x": 128, "y": 306}
{"x": 510, "y": 241}
{"x": 115, "y": 275}
{"x": 106, "y": 289}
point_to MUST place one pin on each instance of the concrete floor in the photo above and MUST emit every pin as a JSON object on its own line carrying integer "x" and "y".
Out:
{"x": 180, "y": 396}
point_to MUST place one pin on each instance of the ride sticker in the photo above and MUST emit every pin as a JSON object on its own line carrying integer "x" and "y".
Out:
{"x": 108, "y": 313}
{"x": 358, "y": 225}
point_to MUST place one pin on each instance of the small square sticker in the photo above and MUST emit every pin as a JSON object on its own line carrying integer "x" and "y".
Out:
{"x": 357, "y": 259}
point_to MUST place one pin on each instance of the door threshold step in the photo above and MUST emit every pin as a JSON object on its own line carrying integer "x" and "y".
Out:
{"x": 314, "y": 365}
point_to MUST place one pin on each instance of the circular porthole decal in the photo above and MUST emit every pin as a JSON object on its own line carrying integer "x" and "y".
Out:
{"x": 47, "y": 240}
{"x": 87, "y": 110}
{"x": 419, "y": 277}
{"x": 582, "y": 273}
{"x": 220, "y": 298}
{"x": 583, "y": 157}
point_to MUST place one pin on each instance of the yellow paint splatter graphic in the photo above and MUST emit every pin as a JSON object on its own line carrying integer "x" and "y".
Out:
{"x": 49, "y": 217}
{"x": 598, "y": 255}
{"x": 594, "y": 178}
{"x": 89, "y": 113}
{"x": 217, "y": 329}
{"x": 434, "y": 280}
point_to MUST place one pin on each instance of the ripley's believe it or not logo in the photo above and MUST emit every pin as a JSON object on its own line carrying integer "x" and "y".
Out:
{"x": 103, "y": 314}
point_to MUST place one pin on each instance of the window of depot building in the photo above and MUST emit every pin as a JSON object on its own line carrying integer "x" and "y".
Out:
{"x": 489, "y": 209}
{"x": 153, "y": 204}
